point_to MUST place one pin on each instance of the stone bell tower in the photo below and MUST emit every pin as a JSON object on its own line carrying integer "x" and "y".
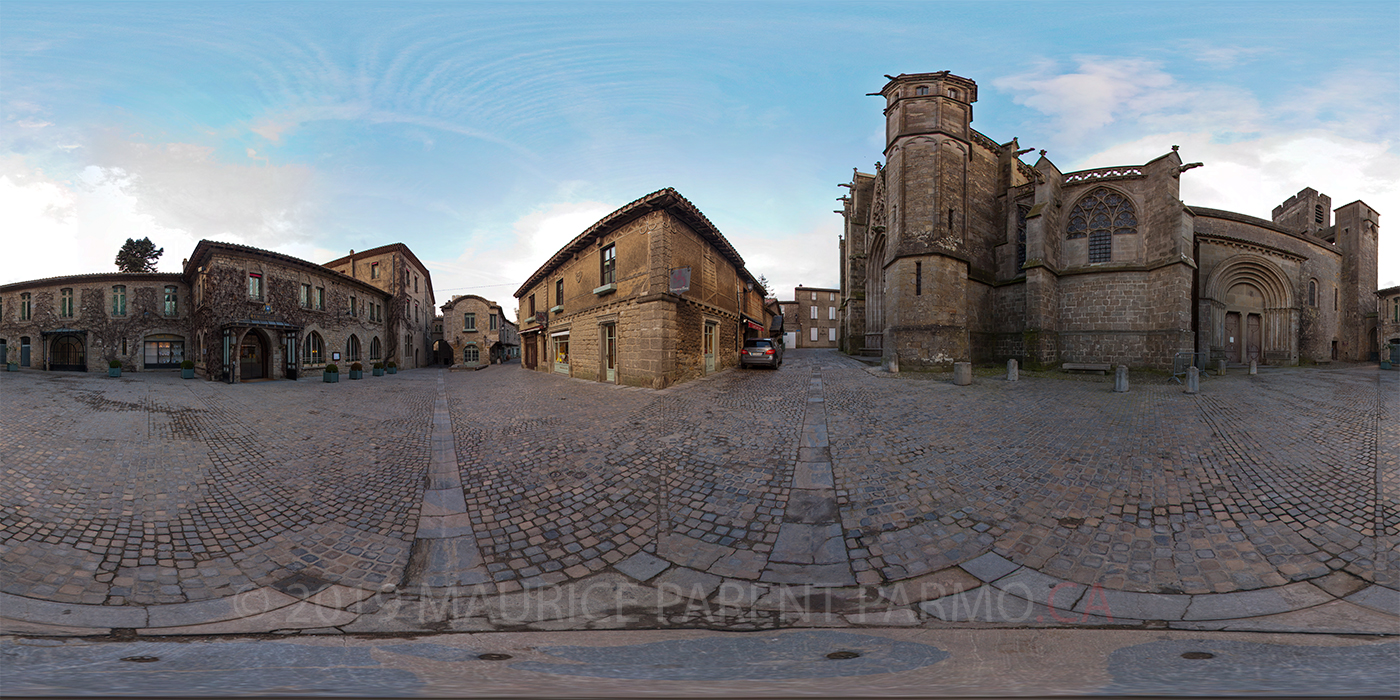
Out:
{"x": 928, "y": 149}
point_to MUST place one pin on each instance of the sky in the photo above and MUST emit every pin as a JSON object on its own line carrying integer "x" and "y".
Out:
{"x": 486, "y": 135}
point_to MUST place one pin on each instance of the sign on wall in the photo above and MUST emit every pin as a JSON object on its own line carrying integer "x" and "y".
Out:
{"x": 680, "y": 280}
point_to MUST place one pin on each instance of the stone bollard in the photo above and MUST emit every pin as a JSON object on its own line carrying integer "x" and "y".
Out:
{"x": 962, "y": 373}
{"x": 1193, "y": 380}
{"x": 893, "y": 366}
{"x": 1219, "y": 368}
{"x": 1253, "y": 367}
{"x": 1013, "y": 371}
{"x": 1120, "y": 379}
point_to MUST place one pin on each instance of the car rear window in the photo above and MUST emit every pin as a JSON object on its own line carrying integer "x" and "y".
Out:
{"x": 758, "y": 343}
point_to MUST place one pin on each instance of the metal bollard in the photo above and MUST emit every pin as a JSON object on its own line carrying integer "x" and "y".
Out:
{"x": 962, "y": 373}
{"x": 1013, "y": 371}
{"x": 1193, "y": 380}
{"x": 1120, "y": 379}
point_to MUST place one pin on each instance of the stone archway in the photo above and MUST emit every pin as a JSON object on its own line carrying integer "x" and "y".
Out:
{"x": 1252, "y": 315}
{"x": 875, "y": 294}
{"x": 254, "y": 356}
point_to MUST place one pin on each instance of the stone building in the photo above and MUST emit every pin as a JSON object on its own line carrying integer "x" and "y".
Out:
{"x": 264, "y": 315}
{"x": 239, "y": 313}
{"x": 476, "y": 331}
{"x": 81, "y": 322}
{"x": 957, "y": 250}
{"x": 650, "y": 295}
{"x": 792, "y": 322}
{"x": 818, "y": 313}
{"x": 1388, "y": 323}
{"x": 396, "y": 270}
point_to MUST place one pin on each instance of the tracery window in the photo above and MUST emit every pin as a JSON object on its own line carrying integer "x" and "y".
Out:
{"x": 1021, "y": 236}
{"x": 1099, "y": 215}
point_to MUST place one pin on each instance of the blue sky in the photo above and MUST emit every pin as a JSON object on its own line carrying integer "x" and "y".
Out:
{"x": 485, "y": 135}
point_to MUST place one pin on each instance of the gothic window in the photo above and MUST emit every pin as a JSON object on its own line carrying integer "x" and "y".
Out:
{"x": 1021, "y": 236}
{"x": 315, "y": 349}
{"x": 375, "y": 349}
{"x": 1099, "y": 215}
{"x": 1312, "y": 292}
{"x": 352, "y": 348}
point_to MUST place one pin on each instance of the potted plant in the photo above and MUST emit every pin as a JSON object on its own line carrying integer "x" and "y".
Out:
{"x": 392, "y": 366}
{"x": 9, "y": 358}
{"x": 331, "y": 375}
{"x": 187, "y": 369}
{"x": 114, "y": 368}
{"x": 378, "y": 369}
{"x": 357, "y": 370}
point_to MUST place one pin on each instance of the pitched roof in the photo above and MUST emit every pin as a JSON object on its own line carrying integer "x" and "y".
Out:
{"x": 207, "y": 248}
{"x": 392, "y": 247}
{"x": 668, "y": 199}
{"x": 95, "y": 277}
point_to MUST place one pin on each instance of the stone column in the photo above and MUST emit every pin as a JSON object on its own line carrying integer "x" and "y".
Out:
{"x": 1013, "y": 372}
{"x": 1193, "y": 380}
{"x": 962, "y": 373}
{"x": 1120, "y": 379}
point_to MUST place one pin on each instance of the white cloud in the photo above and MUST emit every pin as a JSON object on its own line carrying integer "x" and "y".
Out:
{"x": 1105, "y": 91}
{"x": 184, "y": 187}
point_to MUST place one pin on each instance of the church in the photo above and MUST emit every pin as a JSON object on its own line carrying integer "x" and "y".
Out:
{"x": 956, "y": 250}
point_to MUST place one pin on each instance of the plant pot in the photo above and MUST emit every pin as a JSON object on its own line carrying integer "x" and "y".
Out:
{"x": 114, "y": 371}
{"x": 392, "y": 370}
{"x": 187, "y": 374}
{"x": 356, "y": 374}
{"x": 378, "y": 372}
{"x": 330, "y": 377}
{"x": 12, "y": 367}
{"x": 1385, "y": 364}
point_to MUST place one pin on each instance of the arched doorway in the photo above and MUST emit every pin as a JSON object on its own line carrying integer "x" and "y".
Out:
{"x": 442, "y": 353}
{"x": 67, "y": 354}
{"x": 1251, "y": 312}
{"x": 253, "y": 357}
{"x": 875, "y": 295}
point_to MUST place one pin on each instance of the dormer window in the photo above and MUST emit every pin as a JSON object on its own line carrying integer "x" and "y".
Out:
{"x": 921, "y": 90}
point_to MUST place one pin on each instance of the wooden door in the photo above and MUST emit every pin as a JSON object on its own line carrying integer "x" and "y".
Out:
{"x": 710, "y": 329}
{"x": 1232, "y": 337}
{"x": 610, "y": 353}
{"x": 1252, "y": 339}
{"x": 251, "y": 355}
{"x": 530, "y": 352}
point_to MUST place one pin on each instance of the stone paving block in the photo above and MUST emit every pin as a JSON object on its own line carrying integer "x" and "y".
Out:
{"x": 1379, "y": 598}
{"x": 70, "y": 615}
{"x": 989, "y": 567}
{"x": 1339, "y": 583}
{"x": 800, "y": 543}
{"x": 24, "y": 627}
{"x": 339, "y": 597}
{"x": 641, "y": 566}
{"x": 690, "y": 552}
{"x": 739, "y": 594}
{"x": 813, "y": 475}
{"x": 1265, "y": 601}
{"x": 743, "y": 563}
{"x": 438, "y": 526}
{"x": 930, "y": 586}
{"x": 1336, "y": 617}
{"x": 987, "y": 604}
{"x": 811, "y": 506}
{"x": 300, "y": 615}
{"x": 447, "y": 501}
{"x": 1046, "y": 590}
{"x": 814, "y": 436}
{"x": 813, "y": 574}
{"x": 1138, "y": 606}
{"x": 245, "y": 604}
{"x": 903, "y": 617}
{"x": 688, "y": 582}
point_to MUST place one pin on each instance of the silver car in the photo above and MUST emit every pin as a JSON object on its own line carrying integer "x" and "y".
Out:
{"x": 761, "y": 352}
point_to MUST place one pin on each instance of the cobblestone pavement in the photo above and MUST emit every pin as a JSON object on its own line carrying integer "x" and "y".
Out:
{"x": 826, "y": 493}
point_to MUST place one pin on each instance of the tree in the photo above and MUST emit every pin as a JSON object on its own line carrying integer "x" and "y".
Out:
{"x": 763, "y": 285}
{"x": 138, "y": 256}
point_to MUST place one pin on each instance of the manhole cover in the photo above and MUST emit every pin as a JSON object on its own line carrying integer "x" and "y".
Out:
{"x": 301, "y": 585}
{"x": 493, "y": 657}
{"x": 1198, "y": 655}
{"x": 141, "y": 659}
{"x": 843, "y": 655}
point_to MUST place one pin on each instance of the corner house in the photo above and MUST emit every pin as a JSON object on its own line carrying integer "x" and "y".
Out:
{"x": 650, "y": 295}
{"x": 239, "y": 313}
